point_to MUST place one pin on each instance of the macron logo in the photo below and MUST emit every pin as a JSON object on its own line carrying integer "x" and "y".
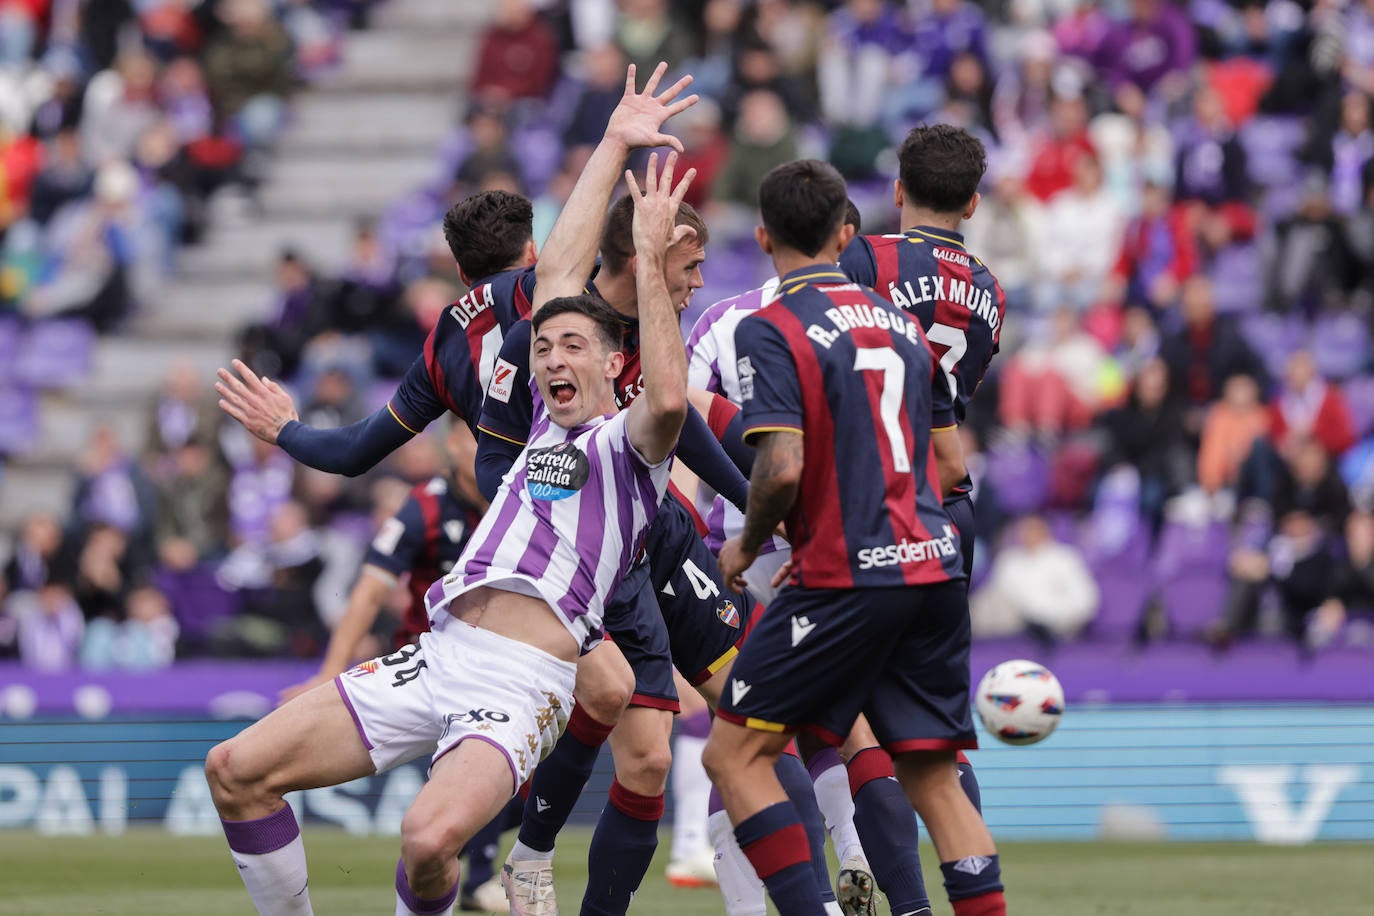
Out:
{"x": 801, "y": 628}
{"x": 738, "y": 690}
{"x": 973, "y": 865}
{"x": 540, "y": 805}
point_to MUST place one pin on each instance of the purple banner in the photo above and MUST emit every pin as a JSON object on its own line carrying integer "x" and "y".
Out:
{"x": 1262, "y": 672}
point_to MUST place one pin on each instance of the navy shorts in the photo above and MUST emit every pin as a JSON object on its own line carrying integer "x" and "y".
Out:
{"x": 636, "y": 627}
{"x": 819, "y": 657}
{"x": 959, "y": 508}
{"x": 705, "y": 618}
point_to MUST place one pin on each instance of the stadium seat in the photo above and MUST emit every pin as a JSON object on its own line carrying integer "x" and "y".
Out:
{"x": 1119, "y": 563}
{"x": 1022, "y": 475}
{"x": 1238, "y": 279}
{"x": 18, "y": 420}
{"x": 1190, "y": 574}
{"x": 1340, "y": 345}
{"x": 1359, "y": 394}
{"x": 10, "y": 336}
{"x": 55, "y": 354}
{"x": 1274, "y": 338}
{"x": 1271, "y": 145}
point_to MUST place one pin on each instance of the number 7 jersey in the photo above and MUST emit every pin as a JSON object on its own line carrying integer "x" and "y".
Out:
{"x": 928, "y": 273}
{"x": 835, "y": 362}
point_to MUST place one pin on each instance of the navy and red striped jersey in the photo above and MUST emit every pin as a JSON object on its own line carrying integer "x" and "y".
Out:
{"x": 956, "y": 298}
{"x": 424, "y": 538}
{"x": 834, "y": 361}
{"x": 461, "y": 353}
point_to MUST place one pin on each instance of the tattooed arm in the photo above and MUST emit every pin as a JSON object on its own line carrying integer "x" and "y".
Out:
{"x": 773, "y": 489}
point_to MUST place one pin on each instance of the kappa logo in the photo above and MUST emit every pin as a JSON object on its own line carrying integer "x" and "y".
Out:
{"x": 541, "y": 805}
{"x": 801, "y": 628}
{"x": 502, "y": 381}
{"x": 738, "y": 690}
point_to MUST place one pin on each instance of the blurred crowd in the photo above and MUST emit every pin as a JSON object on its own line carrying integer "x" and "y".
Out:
{"x": 1177, "y": 439}
{"x": 118, "y": 121}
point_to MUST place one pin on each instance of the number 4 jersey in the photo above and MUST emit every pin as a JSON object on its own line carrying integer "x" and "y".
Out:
{"x": 835, "y": 362}
{"x": 928, "y": 273}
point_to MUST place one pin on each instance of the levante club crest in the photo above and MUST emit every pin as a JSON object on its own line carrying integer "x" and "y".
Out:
{"x": 729, "y": 614}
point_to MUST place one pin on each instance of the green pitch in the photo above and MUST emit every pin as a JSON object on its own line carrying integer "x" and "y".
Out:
{"x": 153, "y": 874}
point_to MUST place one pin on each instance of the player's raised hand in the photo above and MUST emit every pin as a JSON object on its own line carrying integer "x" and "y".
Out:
{"x": 656, "y": 206}
{"x": 637, "y": 120}
{"x": 261, "y": 405}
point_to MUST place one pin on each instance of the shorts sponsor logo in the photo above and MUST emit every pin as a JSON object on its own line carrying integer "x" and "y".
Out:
{"x": 557, "y": 472}
{"x": 729, "y": 614}
{"x": 364, "y": 669}
{"x": 905, "y": 552}
{"x": 478, "y": 715}
{"x": 502, "y": 381}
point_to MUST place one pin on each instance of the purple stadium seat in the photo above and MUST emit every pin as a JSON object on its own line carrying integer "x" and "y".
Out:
{"x": 1340, "y": 345}
{"x": 1359, "y": 394}
{"x": 1270, "y": 146}
{"x": 11, "y": 335}
{"x": 18, "y": 420}
{"x": 1022, "y": 475}
{"x": 1119, "y": 561}
{"x": 1238, "y": 279}
{"x": 1274, "y": 338}
{"x": 1190, "y": 572}
{"x": 56, "y": 354}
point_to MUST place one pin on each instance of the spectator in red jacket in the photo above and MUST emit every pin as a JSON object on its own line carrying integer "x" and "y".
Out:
{"x": 1056, "y": 155}
{"x": 1307, "y": 407}
{"x": 518, "y": 58}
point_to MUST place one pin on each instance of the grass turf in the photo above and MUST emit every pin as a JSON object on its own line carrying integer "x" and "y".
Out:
{"x": 151, "y": 873}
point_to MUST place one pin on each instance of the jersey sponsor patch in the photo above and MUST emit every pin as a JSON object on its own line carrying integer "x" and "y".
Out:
{"x": 557, "y": 472}
{"x": 389, "y": 536}
{"x": 502, "y": 381}
{"x": 744, "y": 368}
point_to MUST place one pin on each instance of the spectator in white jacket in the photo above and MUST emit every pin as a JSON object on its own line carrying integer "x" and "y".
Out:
{"x": 1039, "y": 585}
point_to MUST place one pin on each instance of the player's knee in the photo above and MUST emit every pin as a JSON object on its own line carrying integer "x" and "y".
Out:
{"x": 644, "y": 768}
{"x": 716, "y": 761}
{"x": 231, "y": 783}
{"x": 606, "y": 701}
{"x": 428, "y": 842}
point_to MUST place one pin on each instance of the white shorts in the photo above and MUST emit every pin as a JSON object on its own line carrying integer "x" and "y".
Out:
{"x": 759, "y": 575}
{"x": 460, "y": 682}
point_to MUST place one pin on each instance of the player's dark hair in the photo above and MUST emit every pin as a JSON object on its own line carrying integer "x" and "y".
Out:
{"x": 617, "y": 239}
{"x": 802, "y": 204}
{"x": 852, "y": 217}
{"x": 941, "y": 167}
{"x": 610, "y": 327}
{"x": 488, "y": 231}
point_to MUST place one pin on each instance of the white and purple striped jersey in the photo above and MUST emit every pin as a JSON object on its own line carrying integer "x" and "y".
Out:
{"x": 566, "y": 525}
{"x": 711, "y": 362}
{"x": 713, "y": 366}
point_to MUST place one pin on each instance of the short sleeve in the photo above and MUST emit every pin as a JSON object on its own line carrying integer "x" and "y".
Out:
{"x": 399, "y": 541}
{"x": 508, "y": 411}
{"x": 769, "y": 387}
{"x": 858, "y": 263}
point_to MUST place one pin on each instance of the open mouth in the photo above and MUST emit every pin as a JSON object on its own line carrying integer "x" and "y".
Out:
{"x": 562, "y": 392}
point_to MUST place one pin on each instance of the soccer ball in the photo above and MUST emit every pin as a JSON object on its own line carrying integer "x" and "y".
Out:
{"x": 1020, "y": 702}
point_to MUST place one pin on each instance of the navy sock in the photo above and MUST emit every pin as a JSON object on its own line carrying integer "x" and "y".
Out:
{"x": 969, "y": 780}
{"x": 796, "y": 782}
{"x": 558, "y": 781}
{"x": 974, "y": 886}
{"x": 621, "y": 851}
{"x": 774, "y": 842}
{"x": 887, "y": 828}
{"x": 481, "y": 854}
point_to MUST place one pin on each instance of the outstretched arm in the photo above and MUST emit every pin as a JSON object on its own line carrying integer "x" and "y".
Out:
{"x": 656, "y": 416}
{"x": 570, "y": 251}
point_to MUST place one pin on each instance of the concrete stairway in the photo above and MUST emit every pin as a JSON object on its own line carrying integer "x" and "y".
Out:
{"x": 357, "y": 141}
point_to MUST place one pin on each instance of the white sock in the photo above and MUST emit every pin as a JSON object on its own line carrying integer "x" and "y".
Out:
{"x": 522, "y": 853}
{"x": 741, "y": 888}
{"x": 277, "y": 880}
{"x": 833, "y": 909}
{"x": 691, "y": 795}
{"x": 837, "y": 805}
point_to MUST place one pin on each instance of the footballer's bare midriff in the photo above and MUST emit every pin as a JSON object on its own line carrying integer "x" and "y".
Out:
{"x": 515, "y": 616}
